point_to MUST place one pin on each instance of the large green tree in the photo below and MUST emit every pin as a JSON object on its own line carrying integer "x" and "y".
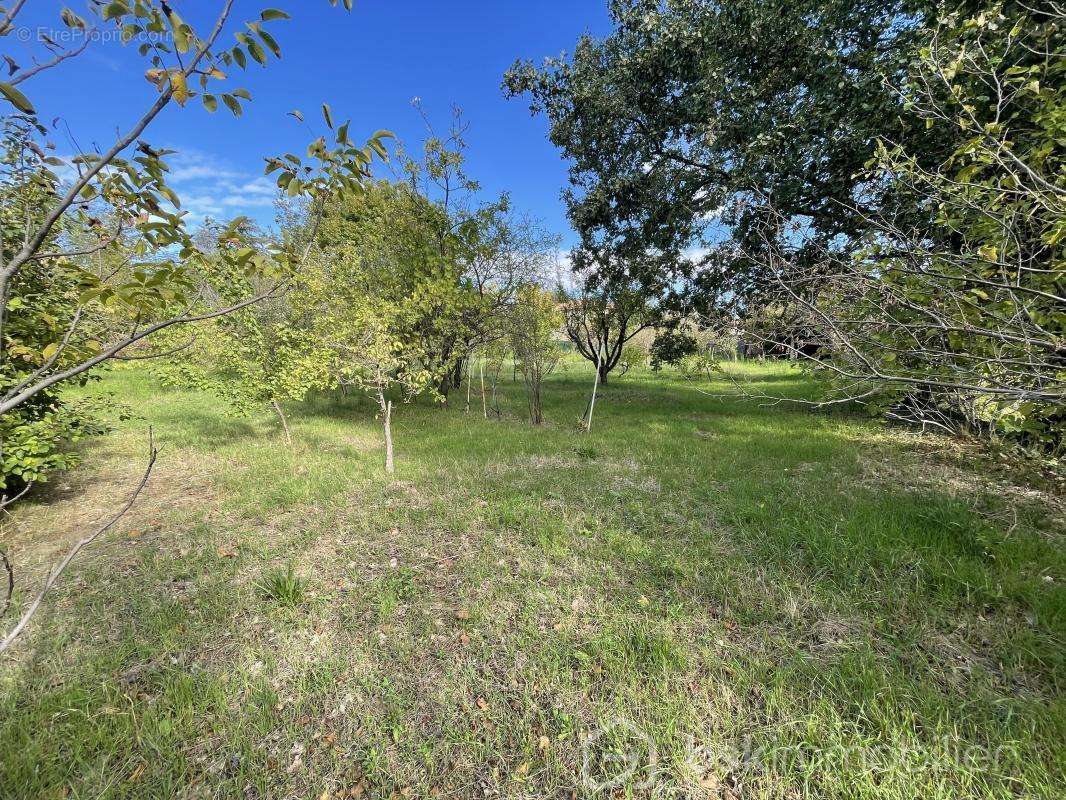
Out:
{"x": 692, "y": 118}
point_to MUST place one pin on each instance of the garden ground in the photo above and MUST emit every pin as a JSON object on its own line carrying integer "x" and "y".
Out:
{"x": 703, "y": 597}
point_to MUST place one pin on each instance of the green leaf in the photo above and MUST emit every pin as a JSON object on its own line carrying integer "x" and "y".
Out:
{"x": 210, "y": 103}
{"x": 115, "y": 10}
{"x": 16, "y": 98}
{"x": 328, "y": 115}
{"x": 232, "y": 104}
{"x": 256, "y": 52}
{"x": 271, "y": 43}
{"x": 273, "y": 13}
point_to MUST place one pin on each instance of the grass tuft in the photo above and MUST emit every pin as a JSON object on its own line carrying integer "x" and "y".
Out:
{"x": 283, "y": 586}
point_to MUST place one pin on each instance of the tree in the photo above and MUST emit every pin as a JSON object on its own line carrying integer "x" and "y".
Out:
{"x": 672, "y": 346}
{"x": 377, "y": 296}
{"x": 118, "y": 204}
{"x": 603, "y": 316}
{"x": 952, "y": 316}
{"x": 371, "y": 352}
{"x": 118, "y": 209}
{"x": 534, "y": 326}
{"x": 491, "y": 250}
{"x": 692, "y": 118}
{"x": 37, "y": 437}
{"x": 255, "y": 357}
{"x": 634, "y": 355}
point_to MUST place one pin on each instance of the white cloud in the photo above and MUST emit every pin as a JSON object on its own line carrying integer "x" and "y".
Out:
{"x": 211, "y": 187}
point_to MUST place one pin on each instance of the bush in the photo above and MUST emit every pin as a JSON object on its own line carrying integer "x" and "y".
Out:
{"x": 670, "y": 347}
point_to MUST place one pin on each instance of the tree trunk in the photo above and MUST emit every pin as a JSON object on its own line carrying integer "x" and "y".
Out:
{"x": 386, "y": 419}
{"x": 284, "y": 422}
{"x": 470, "y": 366}
{"x": 534, "y": 404}
{"x": 484, "y": 402}
{"x": 595, "y": 386}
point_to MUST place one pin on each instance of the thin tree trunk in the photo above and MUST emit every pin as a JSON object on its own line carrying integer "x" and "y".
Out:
{"x": 284, "y": 422}
{"x": 386, "y": 420}
{"x": 390, "y": 466}
{"x": 484, "y": 402}
{"x": 595, "y": 386}
{"x": 534, "y": 404}
{"x": 469, "y": 369}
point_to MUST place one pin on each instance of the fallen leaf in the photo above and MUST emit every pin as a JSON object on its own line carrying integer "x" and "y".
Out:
{"x": 482, "y": 703}
{"x": 136, "y": 534}
{"x": 463, "y": 638}
{"x": 462, "y": 613}
{"x": 225, "y": 552}
{"x": 137, "y": 772}
{"x": 544, "y": 743}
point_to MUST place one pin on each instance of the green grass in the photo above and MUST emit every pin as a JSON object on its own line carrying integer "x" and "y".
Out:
{"x": 703, "y": 597}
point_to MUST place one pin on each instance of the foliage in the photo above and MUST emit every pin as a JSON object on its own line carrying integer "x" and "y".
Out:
{"x": 96, "y": 264}
{"x": 671, "y": 346}
{"x": 39, "y": 437}
{"x": 952, "y": 316}
{"x": 484, "y": 247}
{"x": 534, "y": 326}
{"x": 604, "y": 315}
{"x": 633, "y": 355}
{"x": 691, "y": 118}
{"x": 36, "y": 437}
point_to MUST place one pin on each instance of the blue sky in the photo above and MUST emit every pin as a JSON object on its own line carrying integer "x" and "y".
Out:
{"x": 367, "y": 64}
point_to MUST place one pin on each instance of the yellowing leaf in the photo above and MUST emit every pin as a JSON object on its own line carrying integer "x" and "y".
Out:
{"x": 179, "y": 87}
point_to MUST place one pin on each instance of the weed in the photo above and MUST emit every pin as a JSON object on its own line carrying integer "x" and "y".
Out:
{"x": 283, "y": 586}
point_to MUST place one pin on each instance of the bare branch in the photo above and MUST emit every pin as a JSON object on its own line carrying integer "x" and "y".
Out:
{"x": 81, "y": 544}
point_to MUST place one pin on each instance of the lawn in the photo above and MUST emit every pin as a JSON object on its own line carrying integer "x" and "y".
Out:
{"x": 703, "y": 597}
